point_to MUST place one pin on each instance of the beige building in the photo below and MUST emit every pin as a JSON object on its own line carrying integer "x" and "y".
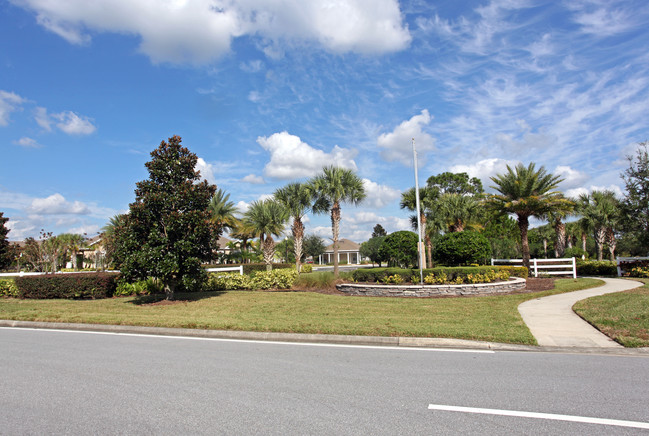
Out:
{"x": 348, "y": 252}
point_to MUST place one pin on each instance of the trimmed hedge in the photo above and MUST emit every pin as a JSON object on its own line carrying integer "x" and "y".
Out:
{"x": 596, "y": 268}
{"x": 8, "y": 288}
{"x": 461, "y": 248}
{"x": 514, "y": 271}
{"x": 275, "y": 279}
{"x": 383, "y": 275}
{"x": 68, "y": 286}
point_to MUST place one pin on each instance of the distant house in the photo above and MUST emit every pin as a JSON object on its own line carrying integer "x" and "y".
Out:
{"x": 348, "y": 252}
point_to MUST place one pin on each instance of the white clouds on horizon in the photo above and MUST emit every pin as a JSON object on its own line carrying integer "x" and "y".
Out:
{"x": 201, "y": 31}
{"x": 379, "y": 196}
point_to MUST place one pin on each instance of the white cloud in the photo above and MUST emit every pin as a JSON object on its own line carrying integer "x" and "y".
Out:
{"x": 56, "y": 204}
{"x": 206, "y": 170}
{"x": 576, "y": 192}
{"x": 201, "y": 31}
{"x": 73, "y": 124}
{"x": 485, "y": 169}
{"x": 572, "y": 178}
{"x": 67, "y": 121}
{"x": 397, "y": 145}
{"x": 379, "y": 195}
{"x": 242, "y": 206}
{"x": 27, "y": 142}
{"x": 9, "y": 102}
{"x": 86, "y": 229}
{"x": 290, "y": 158}
{"x": 253, "y": 179}
{"x": 42, "y": 118}
{"x": 601, "y": 21}
{"x": 252, "y": 66}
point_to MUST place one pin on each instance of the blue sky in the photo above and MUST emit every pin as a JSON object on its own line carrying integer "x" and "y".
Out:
{"x": 267, "y": 92}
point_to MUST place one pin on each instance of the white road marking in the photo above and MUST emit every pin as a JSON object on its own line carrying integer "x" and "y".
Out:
{"x": 552, "y": 416}
{"x": 255, "y": 341}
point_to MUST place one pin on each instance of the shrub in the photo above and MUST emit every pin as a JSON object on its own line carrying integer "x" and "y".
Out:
{"x": 142, "y": 287}
{"x": 8, "y": 288}
{"x": 399, "y": 249}
{"x": 228, "y": 281}
{"x": 439, "y": 275}
{"x": 82, "y": 285}
{"x": 596, "y": 268}
{"x": 315, "y": 280}
{"x": 514, "y": 271}
{"x": 275, "y": 279}
{"x": 575, "y": 252}
{"x": 249, "y": 268}
{"x": 462, "y": 248}
{"x": 307, "y": 268}
{"x": 639, "y": 272}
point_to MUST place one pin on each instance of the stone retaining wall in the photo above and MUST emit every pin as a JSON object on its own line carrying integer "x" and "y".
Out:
{"x": 378, "y": 290}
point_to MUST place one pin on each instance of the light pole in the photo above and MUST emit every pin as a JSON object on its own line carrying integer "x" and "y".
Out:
{"x": 419, "y": 243}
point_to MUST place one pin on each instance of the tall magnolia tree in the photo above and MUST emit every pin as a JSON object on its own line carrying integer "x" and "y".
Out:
{"x": 527, "y": 192}
{"x": 336, "y": 185}
{"x": 169, "y": 231}
{"x": 5, "y": 252}
{"x": 297, "y": 199}
{"x": 602, "y": 210}
{"x": 266, "y": 218}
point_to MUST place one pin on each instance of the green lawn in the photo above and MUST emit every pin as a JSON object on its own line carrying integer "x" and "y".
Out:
{"x": 480, "y": 318}
{"x": 622, "y": 316}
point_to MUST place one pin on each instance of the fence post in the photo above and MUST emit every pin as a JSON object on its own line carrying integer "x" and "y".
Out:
{"x": 619, "y": 270}
{"x": 536, "y": 270}
{"x": 241, "y": 270}
{"x": 574, "y": 268}
{"x": 492, "y": 261}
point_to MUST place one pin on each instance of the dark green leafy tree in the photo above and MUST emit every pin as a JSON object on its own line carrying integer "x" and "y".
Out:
{"x": 400, "y": 249}
{"x": 169, "y": 231}
{"x": 378, "y": 230}
{"x": 297, "y": 198}
{"x": 5, "y": 252}
{"x": 111, "y": 235}
{"x": 503, "y": 235}
{"x": 371, "y": 249}
{"x": 462, "y": 248}
{"x": 455, "y": 183}
{"x": 635, "y": 205}
{"x": 286, "y": 250}
{"x": 527, "y": 192}
{"x": 314, "y": 246}
{"x": 332, "y": 187}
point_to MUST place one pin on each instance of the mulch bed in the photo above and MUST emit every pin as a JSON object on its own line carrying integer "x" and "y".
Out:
{"x": 535, "y": 284}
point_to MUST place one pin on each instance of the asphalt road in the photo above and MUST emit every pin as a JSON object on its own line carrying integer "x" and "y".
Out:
{"x": 54, "y": 382}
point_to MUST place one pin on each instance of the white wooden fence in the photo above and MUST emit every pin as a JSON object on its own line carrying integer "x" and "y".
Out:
{"x": 228, "y": 268}
{"x": 626, "y": 260}
{"x": 23, "y": 273}
{"x": 563, "y": 266}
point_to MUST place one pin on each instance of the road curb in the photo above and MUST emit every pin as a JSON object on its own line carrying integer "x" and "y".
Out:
{"x": 405, "y": 342}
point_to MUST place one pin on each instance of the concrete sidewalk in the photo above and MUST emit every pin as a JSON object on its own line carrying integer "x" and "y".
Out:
{"x": 554, "y": 324}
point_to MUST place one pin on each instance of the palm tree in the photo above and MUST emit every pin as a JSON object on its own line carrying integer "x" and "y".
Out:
{"x": 266, "y": 218}
{"x": 297, "y": 198}
{"x": 527, "y": 192}
{"x": 427, "y": 198}
{"x": 333, "y": 186}
{"x": 70, "y": 245}
{"x": 601, "y": 210}
{"x": 458, "y": 211}
{"x": 223, "y": 211}
{"x": 244, "y": 234}
{"x": 555, "y": 219}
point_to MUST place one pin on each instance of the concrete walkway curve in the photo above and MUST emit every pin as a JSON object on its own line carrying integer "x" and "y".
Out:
{"x": 554, "y": 324}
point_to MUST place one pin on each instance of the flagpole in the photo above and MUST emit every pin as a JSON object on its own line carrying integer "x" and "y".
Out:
{"x": 419, "y": 244}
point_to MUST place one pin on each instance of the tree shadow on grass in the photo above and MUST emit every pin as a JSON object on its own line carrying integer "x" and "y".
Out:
{"x": 179, "y": 298}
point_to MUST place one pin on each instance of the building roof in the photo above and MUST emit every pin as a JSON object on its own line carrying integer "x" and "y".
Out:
{"x": 343, "y": 245}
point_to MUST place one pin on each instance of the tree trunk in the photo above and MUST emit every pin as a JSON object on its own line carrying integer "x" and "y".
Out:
{"x": 170, "y": 288}
{"x": 268, "y": 249}
{"x": 612, "y": 243}
{"x": 523, "y": 225}
{"x": 600, "y": 239}
{"x": 584, "y": 238}
{"x": 298, "y": 234}
{"x": 545, "y": 247}
{"x": 335, "y": 230}
{"x": 429, "y": 251}
{"x": 560, "y": 244}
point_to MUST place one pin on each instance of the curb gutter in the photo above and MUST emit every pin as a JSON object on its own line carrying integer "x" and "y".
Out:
{"x": 320, "y": 338}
